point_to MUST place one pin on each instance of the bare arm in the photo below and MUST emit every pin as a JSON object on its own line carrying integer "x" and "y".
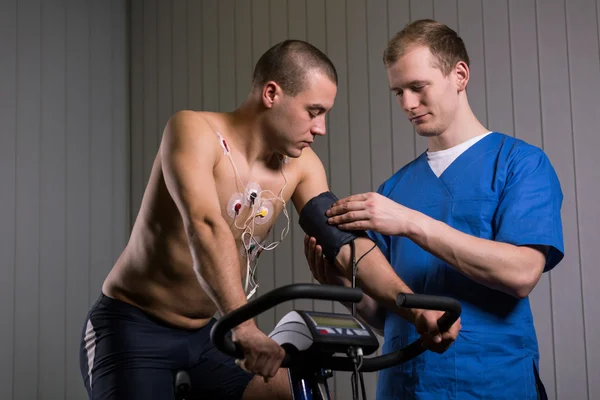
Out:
{"x": 502, "y": 266}
{"x": 375, "y": 275}
{"x": 188, "y": 154}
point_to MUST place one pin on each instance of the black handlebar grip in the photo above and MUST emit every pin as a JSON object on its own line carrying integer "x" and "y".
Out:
{"x": 451, "y": 306}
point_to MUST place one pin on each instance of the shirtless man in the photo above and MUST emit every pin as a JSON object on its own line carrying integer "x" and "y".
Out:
{"x": 218, "y": 184}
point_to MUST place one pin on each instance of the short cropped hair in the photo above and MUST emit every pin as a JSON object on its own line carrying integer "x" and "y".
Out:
{"x": 287, "y": 63}
{"x": 443, "y": 42}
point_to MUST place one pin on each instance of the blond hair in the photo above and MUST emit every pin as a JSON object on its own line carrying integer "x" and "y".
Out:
{"x": 443, "y": 42}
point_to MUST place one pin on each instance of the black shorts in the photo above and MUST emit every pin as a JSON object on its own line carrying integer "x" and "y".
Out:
{"x": 127, "y": 354}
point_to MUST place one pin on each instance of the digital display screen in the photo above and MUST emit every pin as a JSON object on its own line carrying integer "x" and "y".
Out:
{"x": 335, "y": 322}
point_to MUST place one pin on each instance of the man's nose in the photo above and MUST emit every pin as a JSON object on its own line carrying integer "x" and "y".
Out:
{"x": 319, "y": 126}
{"x": 409, "y": 101}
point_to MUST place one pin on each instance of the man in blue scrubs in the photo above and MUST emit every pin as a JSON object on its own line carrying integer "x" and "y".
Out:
{"x": 476, "y": 217}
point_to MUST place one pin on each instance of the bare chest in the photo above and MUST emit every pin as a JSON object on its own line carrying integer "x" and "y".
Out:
{"x": 252, "y": 203}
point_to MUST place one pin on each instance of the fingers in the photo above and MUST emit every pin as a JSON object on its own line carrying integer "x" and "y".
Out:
{"x": 434, "y": 335}
{"x": 344, "y": 208}
{"x": 307, "y": 253}
{"x": 314, "y": 256}
{"x": 427, "y": 326}
{"x": 318, "y": 261}
{"x": 241, "y": 364}
{"x": 265, "y": 364}
{"x": 276, "y": 365}
{"x": 438, "y": 342}
{"x": 262, "y": 355}
{"x": 349, "y": 217}
{"x": 437, "y": 347}
{"x": 357, "y": 225}
{"x": 353, "y": 198}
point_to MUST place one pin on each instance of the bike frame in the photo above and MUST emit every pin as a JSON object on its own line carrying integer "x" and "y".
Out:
{"x": 308, "y": 384}
{"x": 305, "y": 382}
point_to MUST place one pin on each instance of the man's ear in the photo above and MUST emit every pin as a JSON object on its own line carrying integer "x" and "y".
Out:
{"x": 461, "y": 70}
{"x": 271, "y": 91}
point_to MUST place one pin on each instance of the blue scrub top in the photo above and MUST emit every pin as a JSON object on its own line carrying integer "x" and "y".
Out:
{"x": 501, "y": 189}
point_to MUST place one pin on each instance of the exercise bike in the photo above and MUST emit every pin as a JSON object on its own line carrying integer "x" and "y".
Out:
{"x": 311, "y": 339}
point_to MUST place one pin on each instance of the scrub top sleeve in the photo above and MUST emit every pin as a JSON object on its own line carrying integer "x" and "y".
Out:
{"x": 529, "y": 207}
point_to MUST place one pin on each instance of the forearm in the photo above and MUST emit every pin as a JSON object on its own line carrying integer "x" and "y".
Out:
{"x": 376, "y": 278}
{"x": 213, "y": 249}
{"x": 367, "y": 310}
{"x": 512, "y": 269}
{"x": 370, "y": 313}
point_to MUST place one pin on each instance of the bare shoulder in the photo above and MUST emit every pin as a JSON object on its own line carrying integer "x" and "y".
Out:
{"x": 312, "y": 178}
{"x": 308, "y": 164}
{"x": 188, "y": 125}
{"x": 189, "y": 131}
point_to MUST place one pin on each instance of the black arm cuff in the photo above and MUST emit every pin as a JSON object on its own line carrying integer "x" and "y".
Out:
{"x": 314, "y": 222}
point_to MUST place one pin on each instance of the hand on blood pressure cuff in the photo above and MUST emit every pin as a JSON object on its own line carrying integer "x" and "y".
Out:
{"x": 314, "y": 223}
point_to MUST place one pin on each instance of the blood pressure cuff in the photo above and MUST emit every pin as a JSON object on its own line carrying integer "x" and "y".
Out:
{"x": 314, "y": 223}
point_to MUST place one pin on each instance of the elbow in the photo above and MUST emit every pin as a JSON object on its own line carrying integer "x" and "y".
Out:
{"x": 526, "y": 283}
{"x": 529, "y": 271}
{"x": 522, "y": 291}
{"x": 200, "y": 226}
{"x": 202, "y": 234}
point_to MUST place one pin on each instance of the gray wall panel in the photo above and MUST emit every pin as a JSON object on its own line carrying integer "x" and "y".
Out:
{"x": 180, "y": 64}
{"x": 78, "y": 187}
{"x": 65, "y": 177}
{"x": 584, "y": 79}
{"x": 8, "y": 181}
{"x": 497, "y": 66}
{"x": 470, "y": 29}
{"x": 27, "y": 262}
{"x": 402, "y": 136}
{"x": 52, "y": 293}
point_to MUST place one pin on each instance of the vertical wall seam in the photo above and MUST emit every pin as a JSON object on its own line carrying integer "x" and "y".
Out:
{"x": 598, "y": 30}
{"x": 156, "y": 129}
{"x": 348, "y": 102}
{"x": 414, "y": 130}
{"x": 389, "y": 97}
{"x": 542, "y": 135}
{"x": 142, "y": 97}
{"x": 112, "y": 137}
{"x": 16, "y": 149}
{"x": 66, "y": 177}
{"x": 457, "y": 19}
{"x": 537, "y": 47}
{"x": 235, "y": 55}
{"x": 40, "y": 194}
{"x": 576, "y": 197}
{"x": 218, "y": 58}
{"x": 369, "y": 119}
{"x": 511, "y": 67}
{"x": 487, "y": 107}
{"x": 128, "y": 110}
{"x": 203, "y": 33}
{"x": 89, "y": 149}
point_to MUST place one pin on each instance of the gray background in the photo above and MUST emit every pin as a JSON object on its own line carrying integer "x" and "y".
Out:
{"x": 86, "y": 88}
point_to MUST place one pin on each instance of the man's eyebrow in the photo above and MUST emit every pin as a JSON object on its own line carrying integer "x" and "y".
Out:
{"x": 317, "y": 106}
{"x": 416, "y": 82}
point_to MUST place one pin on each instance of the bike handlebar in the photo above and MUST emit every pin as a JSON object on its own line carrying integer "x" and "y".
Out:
{"x": 279, "y": 295}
